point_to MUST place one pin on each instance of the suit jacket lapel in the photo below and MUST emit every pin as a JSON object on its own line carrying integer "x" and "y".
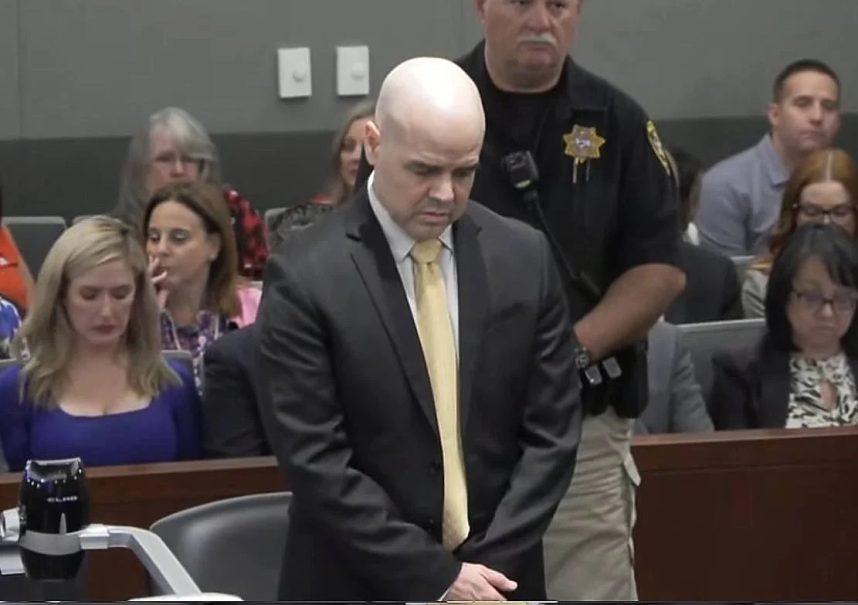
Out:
{"x": 473, "y": 305}
{"x": 374, "y": 261}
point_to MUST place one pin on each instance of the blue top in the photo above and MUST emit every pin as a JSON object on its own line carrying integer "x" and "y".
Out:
{"x": 10, "y": 321}
{"x": 167, "y": 429}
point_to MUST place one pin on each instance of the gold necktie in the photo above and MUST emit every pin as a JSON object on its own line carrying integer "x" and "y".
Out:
{"x": 439, "y": 350}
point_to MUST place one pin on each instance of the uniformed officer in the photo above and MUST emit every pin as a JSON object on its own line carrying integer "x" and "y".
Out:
{"x": 569, "y": 153}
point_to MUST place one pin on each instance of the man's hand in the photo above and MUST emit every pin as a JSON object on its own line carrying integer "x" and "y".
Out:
{"x": 479, "y": 583}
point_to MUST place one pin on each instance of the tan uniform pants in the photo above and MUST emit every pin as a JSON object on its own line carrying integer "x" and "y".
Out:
{"x": 588, "y": 546}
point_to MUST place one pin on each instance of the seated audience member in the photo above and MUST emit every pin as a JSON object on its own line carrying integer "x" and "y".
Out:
{"x": 10, "y": 322}
{"x": 342, "y": 173}
{"x": 345, "y": 155}
{"x": 822, "y": 189}
{"x": 192, "y": 250}
{"x": 711, "y": 282}
{"x": 175, "y": 148}
{"x": 16, "y": 282}
{"x": 740, "y": 197}
{"x": 91, "y": 380}
{"x": 803, "y": 371}
{"x": 676, "y": 402}
{"x": 687, "y": 174}
{"x": 233, "y": 424}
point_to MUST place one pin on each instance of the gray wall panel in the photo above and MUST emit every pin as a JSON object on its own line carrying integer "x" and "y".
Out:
{"x": 711, "y": 58}
{"x": 78, "y": 76}
{"x": 9, "y": 98}
{"x": 80, "y": 176}
{"x": 688, "y": 59}
{"x": 98, "y": 67}
{"x": 95, "y": 68}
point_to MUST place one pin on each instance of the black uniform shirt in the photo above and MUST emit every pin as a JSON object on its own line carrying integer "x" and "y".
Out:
{"x": 620, "y": 210}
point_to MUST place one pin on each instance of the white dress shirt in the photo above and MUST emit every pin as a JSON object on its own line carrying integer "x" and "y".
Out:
{"x": 400, "y": 245}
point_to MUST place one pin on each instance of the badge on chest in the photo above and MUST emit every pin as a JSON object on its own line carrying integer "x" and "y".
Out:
{"x": 583, "y": 144}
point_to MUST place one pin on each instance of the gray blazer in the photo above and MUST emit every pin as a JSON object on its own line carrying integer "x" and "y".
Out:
{"x": 675, "y": 399}
{"x": 754, "y": 293}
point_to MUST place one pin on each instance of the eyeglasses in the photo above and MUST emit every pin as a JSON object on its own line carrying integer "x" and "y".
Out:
{"x": 842, "y": 302}
{"x": 170, "y": 159}
{"x": 838, "y": 212}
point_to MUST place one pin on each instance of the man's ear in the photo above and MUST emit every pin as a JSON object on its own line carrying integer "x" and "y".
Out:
{"x": 480, "y": 6}
{"x": 774, "y": 114}
{"x": 372, "y": 141}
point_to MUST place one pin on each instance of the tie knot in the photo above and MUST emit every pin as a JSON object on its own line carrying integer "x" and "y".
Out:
{"x": 427, "y": 251}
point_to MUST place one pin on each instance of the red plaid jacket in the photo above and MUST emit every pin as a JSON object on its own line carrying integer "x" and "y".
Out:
{"x": 250, "y": 237}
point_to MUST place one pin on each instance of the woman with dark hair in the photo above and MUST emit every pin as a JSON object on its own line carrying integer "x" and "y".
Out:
{"x": 192, "y": 254}
{"x": 822, "y": 189}
{"x": 803, "y": 372}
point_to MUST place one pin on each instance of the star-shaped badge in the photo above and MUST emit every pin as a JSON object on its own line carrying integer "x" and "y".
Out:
{"x": 583, "y": 144}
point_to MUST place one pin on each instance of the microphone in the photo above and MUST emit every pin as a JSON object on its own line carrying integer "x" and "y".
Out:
{"x": 523, "y": 174}
{"x": 54, "y": 501}
{"x": 51, "y": 529}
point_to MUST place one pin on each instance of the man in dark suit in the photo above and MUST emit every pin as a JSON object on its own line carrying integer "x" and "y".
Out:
{"x": 233, "y": 424}
{"x": 426, "y": 409}
{"x": 712, "y": 291}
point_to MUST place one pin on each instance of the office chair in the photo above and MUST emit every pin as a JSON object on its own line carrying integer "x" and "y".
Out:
{"x": 232, "y": 546}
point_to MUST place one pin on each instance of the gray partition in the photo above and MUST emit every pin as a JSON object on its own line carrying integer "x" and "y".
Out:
{"x": 34, "y": 236}
{"x": 703, "y": 340}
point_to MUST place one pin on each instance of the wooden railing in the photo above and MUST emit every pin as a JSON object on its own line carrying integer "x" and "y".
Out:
{"x": 748, "y": 515}
{"x": 756, "y": 515}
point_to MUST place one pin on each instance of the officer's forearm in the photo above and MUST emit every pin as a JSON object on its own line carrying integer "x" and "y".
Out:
{"x": 632, "y": 304}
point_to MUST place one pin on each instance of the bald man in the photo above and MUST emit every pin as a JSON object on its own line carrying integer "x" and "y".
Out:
{"x": 415, "y": 354}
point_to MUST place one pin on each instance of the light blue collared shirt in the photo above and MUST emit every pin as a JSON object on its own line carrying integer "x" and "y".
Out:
{"x": 400, "y": 245}
{"x": 740, "y": 200}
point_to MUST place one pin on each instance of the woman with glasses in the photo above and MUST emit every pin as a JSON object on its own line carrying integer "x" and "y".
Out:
{"x": 822, "y": 189}
{"x": 803, "y": 372}
{"x": 174, "y": 147}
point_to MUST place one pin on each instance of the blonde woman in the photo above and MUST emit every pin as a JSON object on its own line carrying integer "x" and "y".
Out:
{"x": 92, "y": 382}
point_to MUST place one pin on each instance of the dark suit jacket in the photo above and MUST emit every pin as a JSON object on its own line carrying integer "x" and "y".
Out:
{"x": 350, "y": 393}
{"x": 751, "y": 388}
{"x": 712, "y": 290}
{"x": 232, "y": 423}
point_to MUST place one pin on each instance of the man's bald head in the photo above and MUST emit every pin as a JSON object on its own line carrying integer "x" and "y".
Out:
{"x": 425, "y": 144}
{"x": 425, "y": 91}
